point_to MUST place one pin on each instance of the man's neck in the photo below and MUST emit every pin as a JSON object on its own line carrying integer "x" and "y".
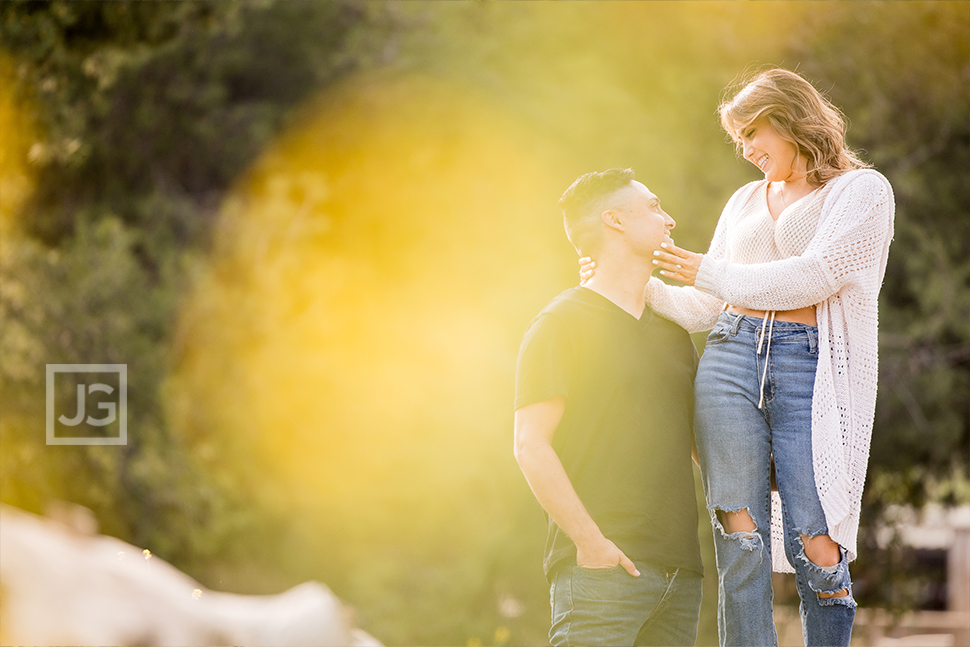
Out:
{"x": 622, "y": 281}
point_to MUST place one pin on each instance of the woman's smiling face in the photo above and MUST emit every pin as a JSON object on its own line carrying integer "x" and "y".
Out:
{"x": 777, "y": 158}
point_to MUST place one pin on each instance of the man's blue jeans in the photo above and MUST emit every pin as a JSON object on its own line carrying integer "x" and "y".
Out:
{"x": 610, "y": 607}
{"x": 736, "y": 442}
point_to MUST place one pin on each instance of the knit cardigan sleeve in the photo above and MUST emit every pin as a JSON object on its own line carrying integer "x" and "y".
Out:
{"x": 852, "y": 227}
{"x": 690, "y": 309}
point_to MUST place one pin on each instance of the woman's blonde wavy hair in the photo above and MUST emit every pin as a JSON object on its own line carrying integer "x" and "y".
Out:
{"x": 799, "y": 114}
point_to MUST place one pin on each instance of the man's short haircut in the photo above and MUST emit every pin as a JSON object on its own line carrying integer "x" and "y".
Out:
{"x": 585, "y": 200}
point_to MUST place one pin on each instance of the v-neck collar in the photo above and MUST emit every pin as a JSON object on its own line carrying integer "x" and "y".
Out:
{"x": 645, "y": 316}
{"x": 764, "y": 195}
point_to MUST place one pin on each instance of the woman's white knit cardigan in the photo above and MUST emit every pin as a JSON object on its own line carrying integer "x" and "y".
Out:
{"x": 840, "y": 272}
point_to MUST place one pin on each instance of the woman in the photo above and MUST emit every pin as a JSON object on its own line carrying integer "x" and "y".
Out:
{"x": 790, "y": 287}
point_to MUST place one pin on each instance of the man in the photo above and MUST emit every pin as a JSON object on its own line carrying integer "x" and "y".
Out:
{"x": 604, "y": 400}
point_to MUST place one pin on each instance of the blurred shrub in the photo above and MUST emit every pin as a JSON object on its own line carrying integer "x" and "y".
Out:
{"x": 140, "y": 115}
{"x": 907, "y": 101}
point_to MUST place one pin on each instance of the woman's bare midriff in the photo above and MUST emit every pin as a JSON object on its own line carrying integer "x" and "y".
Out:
{"x": 802, "y": 315}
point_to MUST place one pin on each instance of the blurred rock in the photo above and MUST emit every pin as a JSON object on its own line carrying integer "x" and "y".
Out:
{"x": 60, "y": 584}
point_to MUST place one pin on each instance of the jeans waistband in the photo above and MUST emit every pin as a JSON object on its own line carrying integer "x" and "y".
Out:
{"x": 747, "y": 322}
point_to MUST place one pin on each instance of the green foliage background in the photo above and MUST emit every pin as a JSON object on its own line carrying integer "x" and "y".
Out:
{"x": 134, "y": 121}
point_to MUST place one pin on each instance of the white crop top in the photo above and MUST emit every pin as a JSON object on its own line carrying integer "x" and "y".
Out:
{"x": 758, "y": 238}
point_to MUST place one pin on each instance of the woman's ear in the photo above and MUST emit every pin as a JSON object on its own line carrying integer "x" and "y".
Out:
{"x": 611, "y": 218}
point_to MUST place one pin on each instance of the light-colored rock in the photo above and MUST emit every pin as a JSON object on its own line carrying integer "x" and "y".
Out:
{"x": 60, "y": 585}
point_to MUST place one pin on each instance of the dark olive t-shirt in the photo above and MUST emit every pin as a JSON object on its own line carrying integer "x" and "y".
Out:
{"x": 625, "y": 436}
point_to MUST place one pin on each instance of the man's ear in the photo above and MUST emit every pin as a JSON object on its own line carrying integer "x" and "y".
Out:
{"x": 611, "y": 218}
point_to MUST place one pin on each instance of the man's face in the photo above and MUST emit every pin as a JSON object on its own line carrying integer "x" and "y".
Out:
{"x": 645, "y": 221}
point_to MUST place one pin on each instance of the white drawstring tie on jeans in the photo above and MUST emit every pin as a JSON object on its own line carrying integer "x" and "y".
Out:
{"x": 761, "y": 339}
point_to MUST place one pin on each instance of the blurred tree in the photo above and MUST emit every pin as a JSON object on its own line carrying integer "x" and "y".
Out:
{"x": 909, "y": 109}
{"x": 143, "y": 113}
{"x": 171, "y": 98}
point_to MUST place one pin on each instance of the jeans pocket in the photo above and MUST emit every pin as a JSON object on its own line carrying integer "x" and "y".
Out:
{"x": 599, "y": 584}
{"x": 720, "y": 333}
{"x": 606, "y": 606}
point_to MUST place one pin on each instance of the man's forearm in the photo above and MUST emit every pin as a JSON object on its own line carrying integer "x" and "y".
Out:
{"x": 549, "y": 482}
{"x": 535, "y": 426}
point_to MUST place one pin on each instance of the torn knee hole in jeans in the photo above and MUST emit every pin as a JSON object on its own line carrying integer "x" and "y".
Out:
{"x": 828, "y": 582}
{"x": 827, "y": 595}
{"x": 841, "y": 597}
{"x": 740, "y": 526}
{"x": 822, "y": 549}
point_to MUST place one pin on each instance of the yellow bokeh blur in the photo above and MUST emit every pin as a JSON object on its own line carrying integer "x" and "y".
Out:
{"x": 16, "y": 137}
{"x": 354, "y": 322}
